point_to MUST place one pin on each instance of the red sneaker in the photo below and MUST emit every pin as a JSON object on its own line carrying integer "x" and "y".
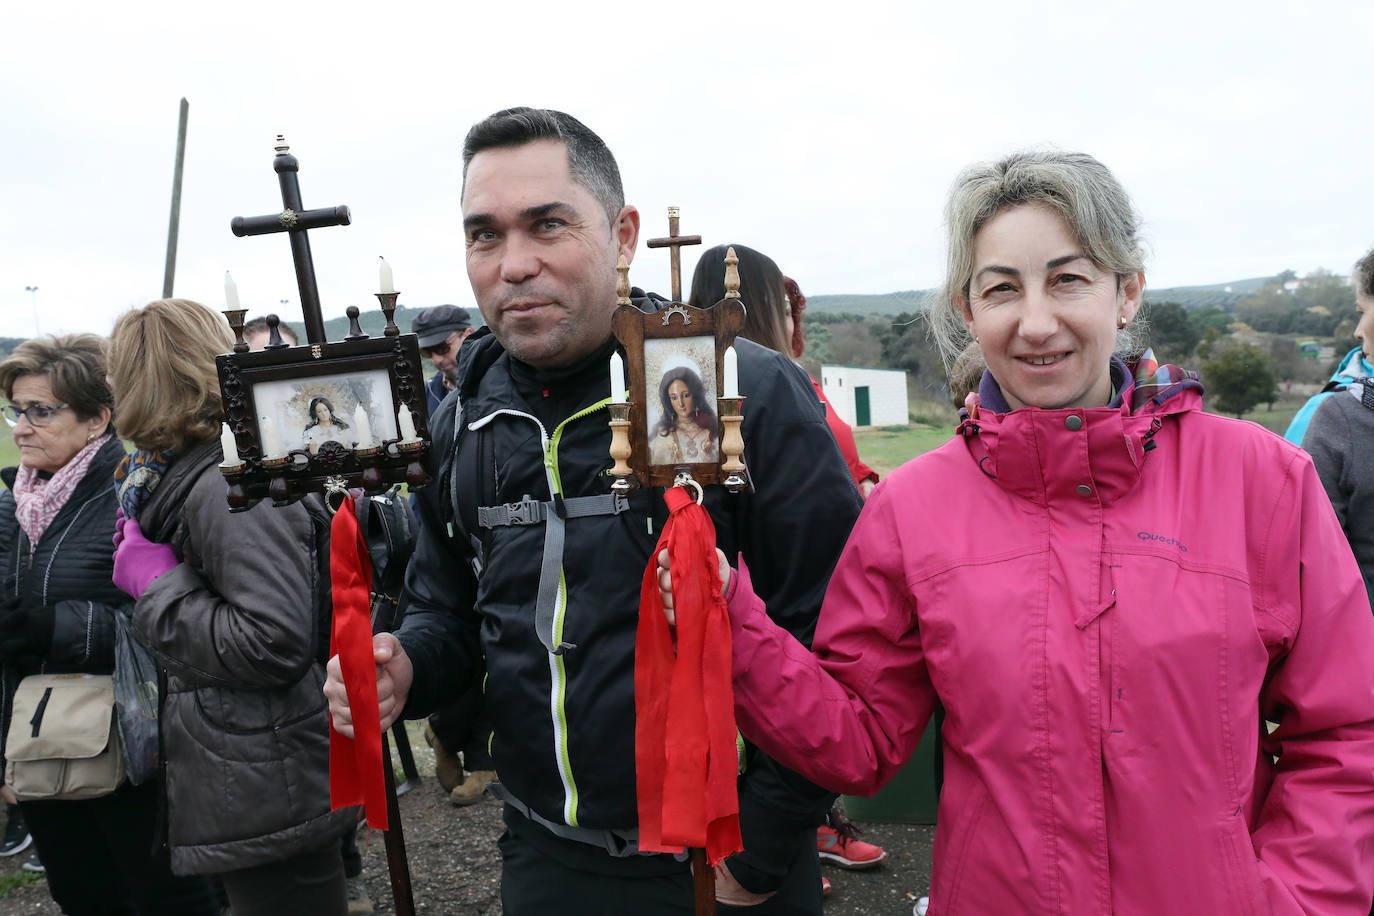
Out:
{"x": 825, "y": 886}
{"x": 847, "y": 853}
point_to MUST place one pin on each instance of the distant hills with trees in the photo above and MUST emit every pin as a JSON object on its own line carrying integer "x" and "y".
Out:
{"x": 1249, "y": 337}
{"x": 1214, "y": 295}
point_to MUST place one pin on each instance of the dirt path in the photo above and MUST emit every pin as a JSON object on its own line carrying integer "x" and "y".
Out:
{"x": 455, "y": 868}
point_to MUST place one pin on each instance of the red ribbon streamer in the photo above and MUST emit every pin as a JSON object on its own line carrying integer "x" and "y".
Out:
{"x": 685, "y": 758}
{"x": 356, "y": 776}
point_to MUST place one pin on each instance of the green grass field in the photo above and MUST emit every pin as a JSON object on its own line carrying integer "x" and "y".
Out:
{"x": 886, "y": 448}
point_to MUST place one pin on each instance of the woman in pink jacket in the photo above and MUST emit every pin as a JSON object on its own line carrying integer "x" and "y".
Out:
{"x": 1111, "y": 592}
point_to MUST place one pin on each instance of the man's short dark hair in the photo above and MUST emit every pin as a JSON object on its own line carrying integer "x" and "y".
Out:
{"x": 1364, "y": 274}
{"x": 589, "y": 160}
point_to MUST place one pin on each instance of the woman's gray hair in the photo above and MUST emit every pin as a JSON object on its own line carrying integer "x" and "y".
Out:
{"x": 1075, "y": 185}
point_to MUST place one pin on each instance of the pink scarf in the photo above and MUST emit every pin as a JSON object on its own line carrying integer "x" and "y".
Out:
{"x": 37, "y": 501}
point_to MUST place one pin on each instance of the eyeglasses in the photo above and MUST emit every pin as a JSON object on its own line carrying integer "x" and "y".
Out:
{"x": 37, "y": 414}
{"x": 439, "y": 349}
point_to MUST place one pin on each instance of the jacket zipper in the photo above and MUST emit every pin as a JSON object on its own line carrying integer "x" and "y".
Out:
{"x": 558, "y": 674}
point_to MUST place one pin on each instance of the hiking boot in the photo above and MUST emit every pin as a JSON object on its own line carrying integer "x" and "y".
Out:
{"x": 447, "y": 769}
{"x": 33, "y": 864}
{"x": 473, "y": 789}
{"x": 17, "y": 837}
{"x": 847, "y": 852}
{"x": 358, "y": 901}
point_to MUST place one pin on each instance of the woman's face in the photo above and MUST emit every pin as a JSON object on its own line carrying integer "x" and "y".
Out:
{"x": 1364, "y": 330}
{"x": 50, "y": 446}
{"x": 680, "y": 396}
{"x": 322, "y": 413}
{"x": 1044, "y": 315}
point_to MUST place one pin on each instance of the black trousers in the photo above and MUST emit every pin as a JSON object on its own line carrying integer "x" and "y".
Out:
{"x": 310, "y": 883}
{"x": 534, "y": 883}
{"x": 100, "y": 859}
{"x": 464, "y": 726}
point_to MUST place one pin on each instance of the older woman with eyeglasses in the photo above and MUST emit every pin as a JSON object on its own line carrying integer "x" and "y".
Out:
{"x": 57, "y": 614}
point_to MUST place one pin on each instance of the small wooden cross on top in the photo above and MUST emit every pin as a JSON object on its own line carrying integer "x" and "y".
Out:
{"x": 295, "y": 220}
{"x": 675, "y": 242}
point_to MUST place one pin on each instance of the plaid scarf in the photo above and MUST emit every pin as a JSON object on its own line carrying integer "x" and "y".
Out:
{"x": 38, "y": 499}
{"x": 137, "y": 476}
{"x": 1155, "y": 384}
{"x": 1146, "y": 383}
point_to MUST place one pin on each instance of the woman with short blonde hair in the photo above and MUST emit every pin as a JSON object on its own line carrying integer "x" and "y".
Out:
{"x": 231, "y": 604}
{"x": 163, "y": 364}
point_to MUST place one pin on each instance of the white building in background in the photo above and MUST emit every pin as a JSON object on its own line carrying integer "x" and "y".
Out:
{"x": 866, "y": 397}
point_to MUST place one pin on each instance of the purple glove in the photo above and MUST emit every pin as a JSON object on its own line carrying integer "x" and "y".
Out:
{"x": 137, "y": 560}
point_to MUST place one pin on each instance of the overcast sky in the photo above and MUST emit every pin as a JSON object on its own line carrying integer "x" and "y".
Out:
{"x": 825, "y": 135}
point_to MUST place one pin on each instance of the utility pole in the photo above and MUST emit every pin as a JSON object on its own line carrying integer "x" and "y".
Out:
{"x": 169, "y": 272}
{"x": 33, "y": 298}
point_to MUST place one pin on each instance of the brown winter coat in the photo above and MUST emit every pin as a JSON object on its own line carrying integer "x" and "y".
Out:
{"x": 236, "y": 623}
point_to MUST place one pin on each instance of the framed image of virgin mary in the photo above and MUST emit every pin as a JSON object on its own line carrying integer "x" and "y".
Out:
{"x": 675, "y": 359}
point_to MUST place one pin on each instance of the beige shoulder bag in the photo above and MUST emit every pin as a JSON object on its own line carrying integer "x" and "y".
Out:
{"x": 62, "y": 742}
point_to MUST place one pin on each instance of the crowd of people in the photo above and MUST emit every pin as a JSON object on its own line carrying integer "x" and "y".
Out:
{"x": 1144, "y": 623}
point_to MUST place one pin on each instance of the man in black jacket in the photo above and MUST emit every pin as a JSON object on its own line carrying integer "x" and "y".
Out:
{"x": 551, "y": 595}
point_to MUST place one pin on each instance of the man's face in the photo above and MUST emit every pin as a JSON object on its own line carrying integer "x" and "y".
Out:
{"x": 540, "y": 255}
{"x": 444, "y": 355}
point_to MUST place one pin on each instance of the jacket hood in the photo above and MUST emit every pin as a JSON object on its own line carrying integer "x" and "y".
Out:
{"x": 1352, "y": 366}
{"x": 1018, "y": 448}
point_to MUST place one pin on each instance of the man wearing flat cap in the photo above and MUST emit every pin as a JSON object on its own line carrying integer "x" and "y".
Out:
{"x": 442, "y": 330}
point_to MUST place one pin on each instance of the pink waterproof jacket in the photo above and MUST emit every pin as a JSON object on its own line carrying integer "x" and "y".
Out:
{"x": 1110, "y": 606}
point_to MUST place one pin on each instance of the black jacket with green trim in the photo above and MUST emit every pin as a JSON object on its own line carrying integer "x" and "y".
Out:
{"x": 564, "y": 724}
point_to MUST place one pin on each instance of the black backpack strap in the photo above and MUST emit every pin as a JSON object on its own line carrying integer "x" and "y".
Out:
{"x": 470, "y": 462}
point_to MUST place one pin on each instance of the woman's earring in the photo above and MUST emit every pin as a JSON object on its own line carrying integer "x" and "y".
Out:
{"x": 1122, "y": 321}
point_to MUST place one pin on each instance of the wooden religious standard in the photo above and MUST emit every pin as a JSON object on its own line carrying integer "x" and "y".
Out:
{"x": 307, "y": 419}
{"x": 324, "y": 418}
{"x": 679, "y": 427}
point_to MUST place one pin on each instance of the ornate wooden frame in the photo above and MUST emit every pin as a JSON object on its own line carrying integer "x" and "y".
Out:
{"x": 286, "y": 479}
{"x": 720, "y": 323}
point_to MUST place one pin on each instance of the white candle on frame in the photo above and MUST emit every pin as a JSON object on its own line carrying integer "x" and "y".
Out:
{"x": 731, "y": 373}
{"x": 406, "y": 423}
{"x": 617, "y": 377}
{"x": 231, "y": 292}
{"x": 228, "y": 446}
{"x": 362, "y": 427}
{"x": 271, "y": 442}
{"x": 384, "y": 274}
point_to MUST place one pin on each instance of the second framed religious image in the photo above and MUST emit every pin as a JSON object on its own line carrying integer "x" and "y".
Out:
{"x": 676, "y": 362}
